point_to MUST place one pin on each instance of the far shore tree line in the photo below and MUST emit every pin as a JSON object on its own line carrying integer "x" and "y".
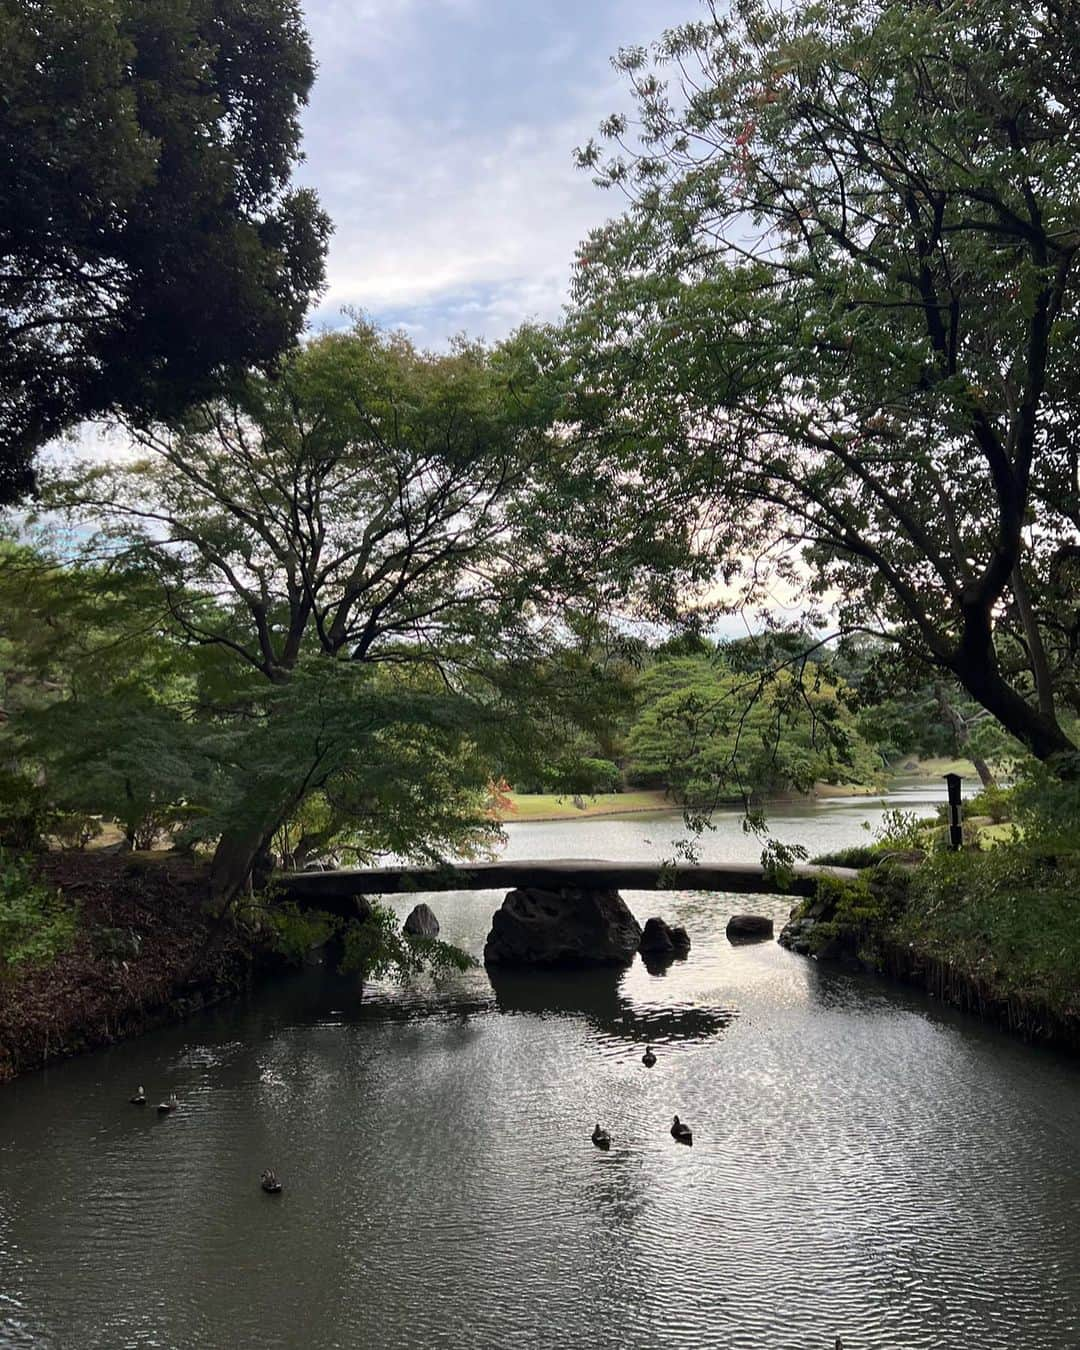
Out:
{"x": 341, "y": 587}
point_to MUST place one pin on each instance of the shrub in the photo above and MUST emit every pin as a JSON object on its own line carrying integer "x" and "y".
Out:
{"x": 903, "y": 830}
{"x": 1047, "y": 809}
{"x": 378, "y": 947}
{"x": 995, "y": 802}
{"x": 900, "y": 832}
{"x": 297, "y": 931}
{"x": 25, "y": 814}
{"x": 1009, "y": 912}
{"x": 36, "y": 922}
{"x": 859, "y": 855}
{"x": 372, "y": 948}
{"x": 600, "y": 775}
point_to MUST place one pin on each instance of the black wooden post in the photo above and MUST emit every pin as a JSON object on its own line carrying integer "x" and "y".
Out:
{"x": 956, "y": 828}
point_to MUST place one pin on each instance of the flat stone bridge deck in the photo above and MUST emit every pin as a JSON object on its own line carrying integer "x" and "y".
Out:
{"x": 337, "y": 891}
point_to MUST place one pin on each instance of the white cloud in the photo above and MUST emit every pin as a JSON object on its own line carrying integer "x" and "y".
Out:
{"x": 508, "y": 208}
{"x": 441, "y": 138}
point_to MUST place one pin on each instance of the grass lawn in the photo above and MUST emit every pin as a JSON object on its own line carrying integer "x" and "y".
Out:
{"x": 555, "y": 806}
{"x": 926, "y": 770}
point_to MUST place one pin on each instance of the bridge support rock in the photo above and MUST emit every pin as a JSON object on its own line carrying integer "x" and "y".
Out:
{"x": 572, "y": 926}
{"x": 422, "y": 922}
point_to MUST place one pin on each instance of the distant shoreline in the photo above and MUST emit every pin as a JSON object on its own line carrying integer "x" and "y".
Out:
{"x": 540, "y": 808}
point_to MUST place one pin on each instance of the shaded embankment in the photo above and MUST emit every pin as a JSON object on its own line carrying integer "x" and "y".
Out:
{"x": 993, "y": 934}
{"x": 1026, "y": 1013}
{"x": 145, "y": 953}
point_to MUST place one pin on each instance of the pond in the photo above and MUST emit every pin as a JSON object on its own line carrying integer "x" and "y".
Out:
{"x": 865, "y": 1164}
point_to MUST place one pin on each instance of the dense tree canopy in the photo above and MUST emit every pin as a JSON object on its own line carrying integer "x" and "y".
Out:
{"x": 370, "y": 555}
{"x": 712, "y": 733}
{"x": 150, "y": 246}
{"x": 842, "y": 312}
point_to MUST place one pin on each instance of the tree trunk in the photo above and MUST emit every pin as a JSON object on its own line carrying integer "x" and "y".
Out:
{"x": 234, "y": 858}
{"x": 962, "y": 732}
{"x": 986, "y": 774}
{"x": 1040, "y": 666}
{"x": 308, "y": 846}
{"x": 1040, "y": 734}
{"x": 240, "y": 847}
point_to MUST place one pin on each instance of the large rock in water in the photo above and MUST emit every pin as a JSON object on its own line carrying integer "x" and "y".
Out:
{"x": 569, "y": 927}
{"x": 422, "y": 922}
{"x": 660, "y": 938}
{"x": 749, "y": 928}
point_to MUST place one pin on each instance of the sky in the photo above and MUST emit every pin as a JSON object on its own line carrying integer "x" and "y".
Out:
{"x": 440, "y": 137}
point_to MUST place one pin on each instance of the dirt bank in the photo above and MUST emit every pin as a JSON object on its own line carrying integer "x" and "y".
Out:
{"x": 145, "y": 953}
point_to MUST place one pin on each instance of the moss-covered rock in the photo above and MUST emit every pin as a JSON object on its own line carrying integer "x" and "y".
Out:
{"x": 847, "y": 919}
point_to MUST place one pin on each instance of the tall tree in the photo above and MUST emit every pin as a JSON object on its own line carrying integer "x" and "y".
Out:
{"x": 373, "y": 549}
{"x": 843, "y": 312}
{"x": 150, "y": 246}
{"x": 901, "y": 712}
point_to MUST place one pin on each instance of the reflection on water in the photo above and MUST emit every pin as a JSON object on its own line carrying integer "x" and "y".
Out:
{"x": 597, "y": 998}
{"x": 865, "y": 1164}
{"x": 659, "y": 963}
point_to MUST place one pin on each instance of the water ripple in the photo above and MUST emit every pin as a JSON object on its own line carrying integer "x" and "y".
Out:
{"x": 864, "y": 1165}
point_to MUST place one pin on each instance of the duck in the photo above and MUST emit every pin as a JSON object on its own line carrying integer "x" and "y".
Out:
{"x": 269, "y": 1181}
{"x": 140, "y": 1096}
{"x": 681, "y": 1131}
{"x": 165, "y": 1107}
{"x": 648, "y": 1058}
{"x": 600, "y": 1137}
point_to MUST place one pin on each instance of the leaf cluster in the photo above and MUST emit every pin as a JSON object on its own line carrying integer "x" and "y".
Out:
{"x": 151, "y": 249}
{"x": 36, "y": 922}
{"x": 378, "y": 948}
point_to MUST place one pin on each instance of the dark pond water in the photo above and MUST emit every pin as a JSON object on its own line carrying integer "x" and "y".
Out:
{"x": 865, "y": 1163}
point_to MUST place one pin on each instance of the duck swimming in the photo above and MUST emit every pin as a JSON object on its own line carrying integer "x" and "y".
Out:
{"x": 269, "y": 1181}
{"x": 600, "y": 1137}
{"x": 165, "y": 1107}
{"x": 648, "y": 1058}
{"x": 140, "y": 1097}
{"x": 681, "y": 1131}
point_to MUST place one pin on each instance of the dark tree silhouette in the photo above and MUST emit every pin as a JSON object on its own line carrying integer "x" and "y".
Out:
{"x": 150, "y": 245}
